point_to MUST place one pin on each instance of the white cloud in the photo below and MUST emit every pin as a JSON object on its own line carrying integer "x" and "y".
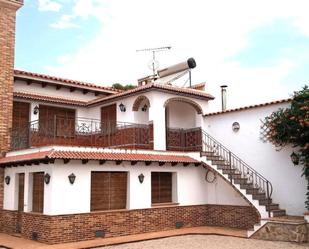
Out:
{"x": 49, "y": 5}
{"x": 209, "y": 31}
{"x": 66, "y": 21}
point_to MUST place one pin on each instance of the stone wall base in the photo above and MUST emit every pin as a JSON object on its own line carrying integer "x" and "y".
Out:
{"x": 283, "y": 231}
{"x": 77, "y": 227}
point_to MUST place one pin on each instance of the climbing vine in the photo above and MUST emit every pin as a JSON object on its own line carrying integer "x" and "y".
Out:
{"x": 290, "y": 126}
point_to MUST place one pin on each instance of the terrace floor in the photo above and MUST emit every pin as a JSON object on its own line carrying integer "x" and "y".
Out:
{"x": 20, "y": 243}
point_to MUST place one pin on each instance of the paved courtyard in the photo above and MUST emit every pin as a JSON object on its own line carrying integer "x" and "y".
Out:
{"x": 209, "y": 242}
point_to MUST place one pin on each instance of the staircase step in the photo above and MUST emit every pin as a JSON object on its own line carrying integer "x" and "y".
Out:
{"x": 278, "y": 212}
{"x": 272, "y": 206}
{"x": 219, "y": 162}
{"x": 265, "y": 201}
{"x": 246, "y": 185}
{"x": 213, "y": 158}
{"x": 223, "y": 167}
{"x": 228, "y": 171}
{"x": 259, "y": 196}
{"x": 236, "y": 176}
{"x": 207, "y": 153}
{"x": 251, "y": 191}
{"x": 240, "y": 180}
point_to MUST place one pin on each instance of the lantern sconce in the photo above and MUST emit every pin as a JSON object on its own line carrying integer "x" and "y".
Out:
{"x": 141, "y": 178}
{"x": 36, "y": 110}
{"x": 7, "y": 180}
{"x": 72, "y": 178}
{"x": 122, "y": 107}
{"x": 235, "y": 126}
{"x": 47, "y": 178}
{"x": 294, "y": 158}
{"x": 144, "y": 108}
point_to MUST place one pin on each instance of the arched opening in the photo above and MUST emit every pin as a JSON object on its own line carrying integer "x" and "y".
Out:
{"x": 183, "y": 124}
{"x": 140, "y": 108}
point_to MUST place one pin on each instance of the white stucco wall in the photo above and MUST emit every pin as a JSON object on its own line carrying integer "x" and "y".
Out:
{"x": 276, "y": 166}
{"x": 181, "y": 115}
{"x": 61, "y": 197}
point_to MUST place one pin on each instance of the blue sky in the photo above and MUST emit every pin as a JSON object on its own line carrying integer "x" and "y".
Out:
{"x": 247, "y": 45}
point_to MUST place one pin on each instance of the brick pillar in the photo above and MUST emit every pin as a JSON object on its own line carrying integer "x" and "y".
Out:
{"x": 8, "y": 10}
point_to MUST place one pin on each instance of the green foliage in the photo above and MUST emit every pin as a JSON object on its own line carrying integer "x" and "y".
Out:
{"x": 123, "y": 87}
{"x": 291, "y": 126}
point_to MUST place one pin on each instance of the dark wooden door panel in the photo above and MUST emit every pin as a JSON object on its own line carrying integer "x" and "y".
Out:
{"x": 109, "y": 113}
{"x": 118, "y": 190}
{"x": 108, "y": 190}
{"x": 57, "y": 121}
{"x": 20, "y": 115}
{"x": 21, "y": 180}
{"x": 99, "y": 191}
{"x": 38, "y": 192}
{"x": 161, "y": 187}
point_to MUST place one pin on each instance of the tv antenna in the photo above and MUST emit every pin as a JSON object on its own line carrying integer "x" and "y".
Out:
{"x": 154, "y": 64}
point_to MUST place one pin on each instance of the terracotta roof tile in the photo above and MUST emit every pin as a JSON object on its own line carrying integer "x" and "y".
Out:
{"x": 249, "y": 107}
{"x": 78, "y": 155}
{"x": 40, "y": 97}
{"x": 160, "y": 87}
{"x": 66, "y": 82}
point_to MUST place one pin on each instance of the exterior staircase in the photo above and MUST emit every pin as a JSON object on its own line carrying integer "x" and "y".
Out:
{"x": 251, "y": 184}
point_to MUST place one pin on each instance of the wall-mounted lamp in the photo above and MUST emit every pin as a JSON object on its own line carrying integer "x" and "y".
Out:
{"x": 7, "y": 180}
{"x": 235, "y": 126}
{"x": 141, "y": 178}
{"x": 36, "y": 110}
{"x": 72, "y": 178}
{"x": 47, "y": 178}
{"x": 294, "y": 158}
{"x": 122, "y": 107}
{"x": 144, "y": 108}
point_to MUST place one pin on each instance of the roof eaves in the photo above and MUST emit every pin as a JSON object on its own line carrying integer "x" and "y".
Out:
{"x": 248, "y": 107}
{"x": 62, "y": 81}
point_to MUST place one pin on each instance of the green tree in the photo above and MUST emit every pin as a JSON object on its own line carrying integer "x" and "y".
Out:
{"x": 123, "y": 87}
{"x": 290, "y": 126}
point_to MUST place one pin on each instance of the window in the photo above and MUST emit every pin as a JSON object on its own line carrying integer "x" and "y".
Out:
{"x": 108, "y": 190}
{"x": 161, "y": 187}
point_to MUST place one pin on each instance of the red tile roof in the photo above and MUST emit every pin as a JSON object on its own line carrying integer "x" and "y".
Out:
{"x": 109, "y": 156}
{"x": 58, "y": 100}
{"x": 249, "y": 107}
{"x": 164, "y": 88}
{"x": 64, "y": 82}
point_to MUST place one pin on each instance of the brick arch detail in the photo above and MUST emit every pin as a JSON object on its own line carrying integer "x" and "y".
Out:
{"x": 195, "y": 105}
{"x": 138, "y": 102}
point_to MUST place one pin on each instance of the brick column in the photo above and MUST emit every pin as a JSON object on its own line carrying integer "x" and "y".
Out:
{"x": 8, "y": 10}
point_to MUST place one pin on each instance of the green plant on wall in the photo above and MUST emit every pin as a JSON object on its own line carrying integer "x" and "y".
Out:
{"x": 290, "y": 126}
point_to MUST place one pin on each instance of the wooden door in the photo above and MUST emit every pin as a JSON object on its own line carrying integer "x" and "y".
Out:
{"x": 108, "y": 118}
{"x": 20, "y": 127}
{"x": 57, "y": 121}
{"x": 21, "y": 187}
{"x": 38, "y": 192}
{"x": 108, "y": 190}
{"x": 161, "y": 187}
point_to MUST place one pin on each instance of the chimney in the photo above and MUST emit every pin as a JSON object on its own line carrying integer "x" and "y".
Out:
{"x": 8, "y": 10}
{"x": 223, "y": 96}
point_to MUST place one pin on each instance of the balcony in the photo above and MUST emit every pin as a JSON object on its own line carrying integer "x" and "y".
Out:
{"x": 178, "y": 139}
{"x": 82, "y": 132}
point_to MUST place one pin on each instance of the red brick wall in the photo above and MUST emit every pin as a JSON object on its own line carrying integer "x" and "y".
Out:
{"x": 68, "y": 228}
{"x": 7, "y": 43}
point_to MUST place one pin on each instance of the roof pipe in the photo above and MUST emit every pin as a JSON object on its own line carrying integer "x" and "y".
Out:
{"x": 223, "y": 97}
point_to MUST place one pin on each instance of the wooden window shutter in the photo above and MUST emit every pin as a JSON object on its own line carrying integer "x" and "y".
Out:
{"x": 161, "y": 187}
{"x": 38, "y": 192}
{"x": 108, "y": 190}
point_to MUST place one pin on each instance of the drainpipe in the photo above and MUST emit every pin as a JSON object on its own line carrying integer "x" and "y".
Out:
{"x": 223, "y": 96}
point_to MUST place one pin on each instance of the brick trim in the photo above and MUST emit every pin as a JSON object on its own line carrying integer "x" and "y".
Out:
{"x": 78, "y": 227}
